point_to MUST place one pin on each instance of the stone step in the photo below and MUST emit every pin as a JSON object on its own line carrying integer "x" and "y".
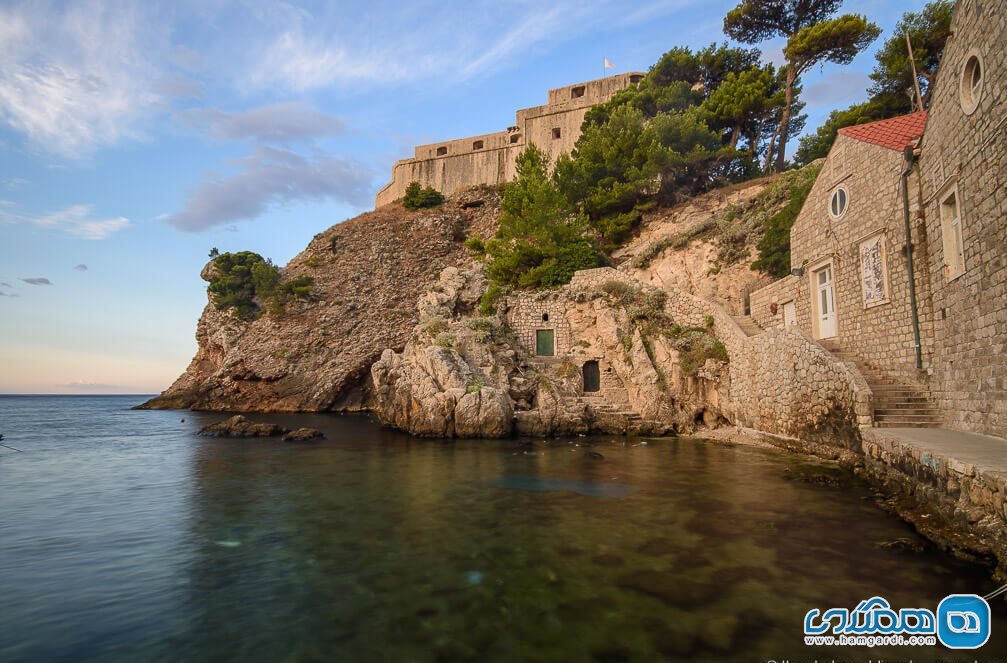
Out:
{"x": 907, "y": 419}
{"x": 889, "y": 411}
{"x": 908, "y": 424}
{"x": 611, "y": 394}
{"x": 747, "y": 324}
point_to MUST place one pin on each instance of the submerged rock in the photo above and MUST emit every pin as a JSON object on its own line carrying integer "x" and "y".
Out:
{"x": 903, "y": 545}
{"x": 239, "y": 426}
{"x": 304, "y": 435}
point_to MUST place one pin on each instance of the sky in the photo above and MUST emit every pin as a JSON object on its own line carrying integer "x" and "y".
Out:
{"x": 135, "y": 135}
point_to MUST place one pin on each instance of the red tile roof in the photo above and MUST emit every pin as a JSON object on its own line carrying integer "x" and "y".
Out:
{"x": 894, "y": 133}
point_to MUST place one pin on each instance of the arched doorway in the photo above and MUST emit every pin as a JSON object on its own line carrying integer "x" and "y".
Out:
{"x": 592, "y": 376}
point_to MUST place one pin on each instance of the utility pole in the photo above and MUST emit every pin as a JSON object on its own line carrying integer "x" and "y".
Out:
{"x": 916, "y": 77}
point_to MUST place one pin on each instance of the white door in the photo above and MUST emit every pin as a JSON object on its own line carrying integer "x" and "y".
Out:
{"x": 789, "y": 314}
{"x": 826, "y": 303}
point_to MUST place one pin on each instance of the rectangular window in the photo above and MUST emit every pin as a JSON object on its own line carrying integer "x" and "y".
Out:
{"x": 577, "y": 92}
{"x": 557, "y": 133}
{"x": 477, "y": 145}
{"x": 441, "y": 151}
{"x": 951, "y": 229}
{"x": 873, "y": 271}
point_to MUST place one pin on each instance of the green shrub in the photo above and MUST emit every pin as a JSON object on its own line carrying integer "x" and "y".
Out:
{"x": 476, "y": 246}
{"x": 434, "y": 326}
{"x": 774, "y": 247}
{"x": 488, "y": 303}
{"x": 445, "y": 340}
{"x": 245, "y": 282}
{"x": 418, "y": 197}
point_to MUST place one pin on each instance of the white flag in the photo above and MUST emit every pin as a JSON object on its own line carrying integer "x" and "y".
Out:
{"x": 608, "y": 64}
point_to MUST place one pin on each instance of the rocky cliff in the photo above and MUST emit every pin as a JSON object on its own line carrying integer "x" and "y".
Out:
{"x": 368, "y": 274}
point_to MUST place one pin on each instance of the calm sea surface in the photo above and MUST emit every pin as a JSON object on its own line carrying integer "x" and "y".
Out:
{"x": 125, "y": 537}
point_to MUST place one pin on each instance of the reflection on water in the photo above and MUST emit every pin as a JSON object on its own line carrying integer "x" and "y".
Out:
{"x": 126, "y": 537}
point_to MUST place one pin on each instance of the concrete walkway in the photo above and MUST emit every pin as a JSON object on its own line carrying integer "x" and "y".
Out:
{"x": 985, "y": 453}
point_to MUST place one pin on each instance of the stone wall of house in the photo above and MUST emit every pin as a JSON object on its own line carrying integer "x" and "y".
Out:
{"x": 879, "y": 332}
{"x": 966, "y": 153}
{"x": 528, "y": 314}
{"x": 957, "y": 505}
{"x": 451, "y": 165}
{"x": 777, "y": 292}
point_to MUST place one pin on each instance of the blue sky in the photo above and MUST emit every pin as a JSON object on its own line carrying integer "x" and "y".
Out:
{"x": 136, "y": 135}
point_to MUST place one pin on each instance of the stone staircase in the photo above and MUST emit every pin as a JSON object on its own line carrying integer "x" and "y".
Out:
{"x": 747, "y": 324}
{"x": 897, "y": 402}
{"x": 613, "y": 407}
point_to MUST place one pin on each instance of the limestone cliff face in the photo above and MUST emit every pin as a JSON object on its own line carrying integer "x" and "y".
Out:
{"x": 369, "y": 273}
{"x": 705, "y": 245}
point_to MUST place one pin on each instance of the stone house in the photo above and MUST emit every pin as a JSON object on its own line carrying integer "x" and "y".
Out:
{"x": 850, "y": 288}
{"x": 963, "y": 190}
{"x": 491, "y": 159}
{"x": 849, "y": 284}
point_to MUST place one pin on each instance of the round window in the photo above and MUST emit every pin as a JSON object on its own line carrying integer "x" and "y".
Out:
{"x": 972, "y": 83}
{"x": 837, "y": 206}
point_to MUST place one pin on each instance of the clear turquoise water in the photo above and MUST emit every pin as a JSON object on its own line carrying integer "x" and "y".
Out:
{"x": 125, "y": 537}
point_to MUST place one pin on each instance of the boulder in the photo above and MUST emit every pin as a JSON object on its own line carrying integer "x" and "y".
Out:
{"x": 239, "y": 426}
{"x": 303, "y": 435}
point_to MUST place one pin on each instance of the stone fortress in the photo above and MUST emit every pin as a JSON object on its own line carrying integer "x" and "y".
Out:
{"x": 453, "y": 165}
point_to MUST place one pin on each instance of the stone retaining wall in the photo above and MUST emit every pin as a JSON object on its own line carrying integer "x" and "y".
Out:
{"x": 957, "y": 505}
{"x": 782, "y": 382}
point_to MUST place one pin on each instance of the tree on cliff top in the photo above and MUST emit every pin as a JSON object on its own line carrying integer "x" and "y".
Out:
{"x": 812, "y": 38}
{"x": 893, "y": 91}
{"x": 542, "y": 240}
{"x": 928, "y": 30}
{"x": 245, "y": 281}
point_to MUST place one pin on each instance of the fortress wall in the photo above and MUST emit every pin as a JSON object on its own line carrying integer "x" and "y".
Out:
{"x": 452, "y": 173}
{"x": 500, "y": 139}
{"x": 539, "y": 130}
{"x": 490, "y": 158}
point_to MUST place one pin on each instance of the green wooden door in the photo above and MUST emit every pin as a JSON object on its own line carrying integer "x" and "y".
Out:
{"x": 545, "y": 342}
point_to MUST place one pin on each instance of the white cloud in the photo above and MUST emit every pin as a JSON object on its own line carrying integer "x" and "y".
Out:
{"x": 269, "y": 177}
{"x": 838, "y": 88}
{"x": 74, "y": 77}
{"x": 394, "y": 43}
{"x": 280, "y": 123}
{"x": 75, "y": 220}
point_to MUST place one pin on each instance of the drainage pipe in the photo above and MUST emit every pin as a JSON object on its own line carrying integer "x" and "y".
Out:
{"x": 910, "y": 158}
